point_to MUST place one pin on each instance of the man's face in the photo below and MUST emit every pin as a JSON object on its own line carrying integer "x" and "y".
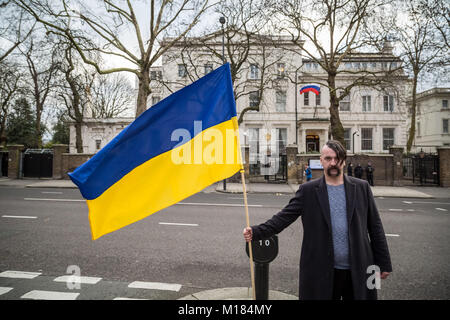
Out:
{"x": 329, "y": 162}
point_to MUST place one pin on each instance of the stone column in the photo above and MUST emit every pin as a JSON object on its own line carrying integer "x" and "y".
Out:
{"x": 14, "y": 155}
{"x": 58, "y": 150}
{"x": 397, "y": 165}
{"x": 444, "y": 166}
{"x": 291, "y": 155}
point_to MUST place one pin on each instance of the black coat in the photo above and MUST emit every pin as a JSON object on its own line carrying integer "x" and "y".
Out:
{"x": 367, "y": 240}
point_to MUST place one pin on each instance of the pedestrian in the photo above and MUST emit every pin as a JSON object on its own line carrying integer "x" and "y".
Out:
{"x": 350, "y": 169}
{"x": 359, "y": 171}
{"x": 343, "y": 240}
{"x": 308, "y": 172}
{"x": 369, "y": 173}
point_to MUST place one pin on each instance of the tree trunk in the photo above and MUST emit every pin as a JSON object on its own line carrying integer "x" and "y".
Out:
{"x": 412, "y": 129}
{"x": 78, "y": 138}
{"x": 143, "y": 92}
{"x": 337, "y": 130}
{"x": 38, "y": 140}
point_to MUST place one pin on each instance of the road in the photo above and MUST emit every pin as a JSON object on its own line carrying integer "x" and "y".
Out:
{"x": 193, "y": 246}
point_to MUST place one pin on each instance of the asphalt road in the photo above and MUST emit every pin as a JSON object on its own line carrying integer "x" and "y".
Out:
{"x": 193, "y": 246}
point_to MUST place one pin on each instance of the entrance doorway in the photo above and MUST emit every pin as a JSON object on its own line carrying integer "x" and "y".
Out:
{"x": 312, "y": 143}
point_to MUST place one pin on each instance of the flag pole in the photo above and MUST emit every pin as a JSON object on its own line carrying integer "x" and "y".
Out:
{"x": 252, "y": 270}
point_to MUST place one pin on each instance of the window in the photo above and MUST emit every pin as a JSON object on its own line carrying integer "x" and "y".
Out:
{"x": 281, "y": 70}
{"x": 366, "y": 138}
{"x": 208, "y": 68}
{"x": 254, "y": 71}
{"x": 98, "y": 144}
{"x": 281, "y": 140}
{"x": 155, "y": 75}
{"x": 388, "y": 103}
{"x": 306, "y": 99}
{"x": 155, "y": 100}
{"x": 364, "y": 65}
{"x": 253, "y": 141}
{"x": 254, "y": 99}
{"x": 366, "y": 103}
{"x": 444, "y": 125}
{"x": 388, "y": 138}
{"x": 280, "y": 103}
{"x": 445, "y": 104}
{"x": 348, "y": 65}
{"x": 418, "y": 128}
{"x": 344, "y": 104}
{"x": 318, "y": 99}
{"x": 182, "y": 72}
{"x": 347, "y": 140}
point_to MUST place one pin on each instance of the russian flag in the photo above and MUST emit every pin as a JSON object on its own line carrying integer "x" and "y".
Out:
{"x": 315, "y": 89}
{"x": 173, "y": 150}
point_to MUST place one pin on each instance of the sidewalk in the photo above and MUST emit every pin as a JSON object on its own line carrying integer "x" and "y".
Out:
{"x": 238, "y": 293}
{"x": 269, "y": 188}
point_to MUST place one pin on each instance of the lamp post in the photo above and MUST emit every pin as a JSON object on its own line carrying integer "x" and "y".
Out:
{"x": 222, "y": 22}
{"x": 353, "y": 140}
{"x": 296, "y": 124}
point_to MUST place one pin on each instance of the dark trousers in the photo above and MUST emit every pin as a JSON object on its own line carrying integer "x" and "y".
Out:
{"x": 342, "y": 286}
{"x": 370, "y": 179}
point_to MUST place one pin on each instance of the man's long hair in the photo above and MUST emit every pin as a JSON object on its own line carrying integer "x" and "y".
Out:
{"x": 341, "y": 153}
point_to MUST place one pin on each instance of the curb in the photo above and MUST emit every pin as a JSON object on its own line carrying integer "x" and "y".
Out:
{"x": 235, "y": 293}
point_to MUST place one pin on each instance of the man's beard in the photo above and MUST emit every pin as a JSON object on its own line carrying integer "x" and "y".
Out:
{"x": 337, "y": 174}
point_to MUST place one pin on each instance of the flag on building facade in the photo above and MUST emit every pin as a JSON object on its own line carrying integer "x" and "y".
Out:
{"x": 174, "y": 149}
{"x": 315, "y": 89}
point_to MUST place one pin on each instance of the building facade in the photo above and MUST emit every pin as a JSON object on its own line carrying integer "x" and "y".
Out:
{"x": 272, "y": 112}
{"x": 432, "y": 120}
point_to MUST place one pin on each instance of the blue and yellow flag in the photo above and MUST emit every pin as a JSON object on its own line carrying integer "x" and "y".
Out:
{"x": 173, "y": 150}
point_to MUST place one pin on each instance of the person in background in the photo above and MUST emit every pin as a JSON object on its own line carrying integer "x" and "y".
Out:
{"x": 350, "y": 169}
{"x": 308, "y": 173}
{"x": 369, "y": 173}
{"x": 358, "y": 171}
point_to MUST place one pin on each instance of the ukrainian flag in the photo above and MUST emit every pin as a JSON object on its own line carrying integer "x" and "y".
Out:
{"x": 175, "y": 149}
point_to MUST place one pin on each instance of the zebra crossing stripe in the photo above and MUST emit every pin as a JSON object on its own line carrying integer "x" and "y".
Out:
{"x": 19, "y": 274}
{"x": 4, "y": 290}
{"x": 50, "y": 295}
{"x": 155, "y": 286}
{"x": 77, "y": 279}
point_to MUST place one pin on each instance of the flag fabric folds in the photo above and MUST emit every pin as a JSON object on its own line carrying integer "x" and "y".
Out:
{"x": 174, "y": 149}
{"x": 315, "y": 89}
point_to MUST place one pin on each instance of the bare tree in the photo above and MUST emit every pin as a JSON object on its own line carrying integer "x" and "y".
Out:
{"x": 328, "y": 33}
{"x": 110, "y": 21}
{"x": 9, "y": 89}
{"x": 42, "y": 68}
{"x": 111, "y": 96}
{"x": 14, "y": 27}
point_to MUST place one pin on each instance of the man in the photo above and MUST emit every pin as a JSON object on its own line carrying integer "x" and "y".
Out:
{"x": 350, "y": 169}
{"x": 369, "y": 173}
{"x": 339, "y": 216}
{"x": 308, "y": 172}
{"x": 358, "y": 171}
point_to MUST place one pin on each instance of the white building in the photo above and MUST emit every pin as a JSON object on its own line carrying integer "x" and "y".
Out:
{"x": 373, "y": 117}
{"x": 432, "y": 120}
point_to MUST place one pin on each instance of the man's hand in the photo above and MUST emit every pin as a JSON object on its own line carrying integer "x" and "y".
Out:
{"x": 384, "y": 275}
{"x": 248, "y": 234}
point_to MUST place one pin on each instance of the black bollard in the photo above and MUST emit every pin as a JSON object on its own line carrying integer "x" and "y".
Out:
{"x": 264, "y": 252}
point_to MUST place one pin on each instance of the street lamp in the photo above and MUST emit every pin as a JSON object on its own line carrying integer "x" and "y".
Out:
{"x": 222, "y": 22}
{"x": 353, "y": 140}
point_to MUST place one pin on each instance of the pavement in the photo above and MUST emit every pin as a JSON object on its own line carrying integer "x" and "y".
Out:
{"x": 245, "y": 293}
{"x": 425, "y": 192}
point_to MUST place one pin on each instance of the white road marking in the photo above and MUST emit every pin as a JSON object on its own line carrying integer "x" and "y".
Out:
{"x": 51, "y": 192}
{"x": 77, "y": 279}
{"x": 155, "y": 286}
{"x": 124, "y": 298}
{"x": 50, "y": 295}
{"x": 392, "y": 235}
{"x": 19, "y": 274}
{"x": 19, "y": 217}
{"x": 218, "y": 204}
{"x": 44, "y": 199}
{"x": 410, "y": 210}
{"x": 441, "y": 209}
{"x": 395, "y": 209}
{"x": 410, "y": 202}
{"x": 179, "y": 224}
{"x": 4, "y": 290}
